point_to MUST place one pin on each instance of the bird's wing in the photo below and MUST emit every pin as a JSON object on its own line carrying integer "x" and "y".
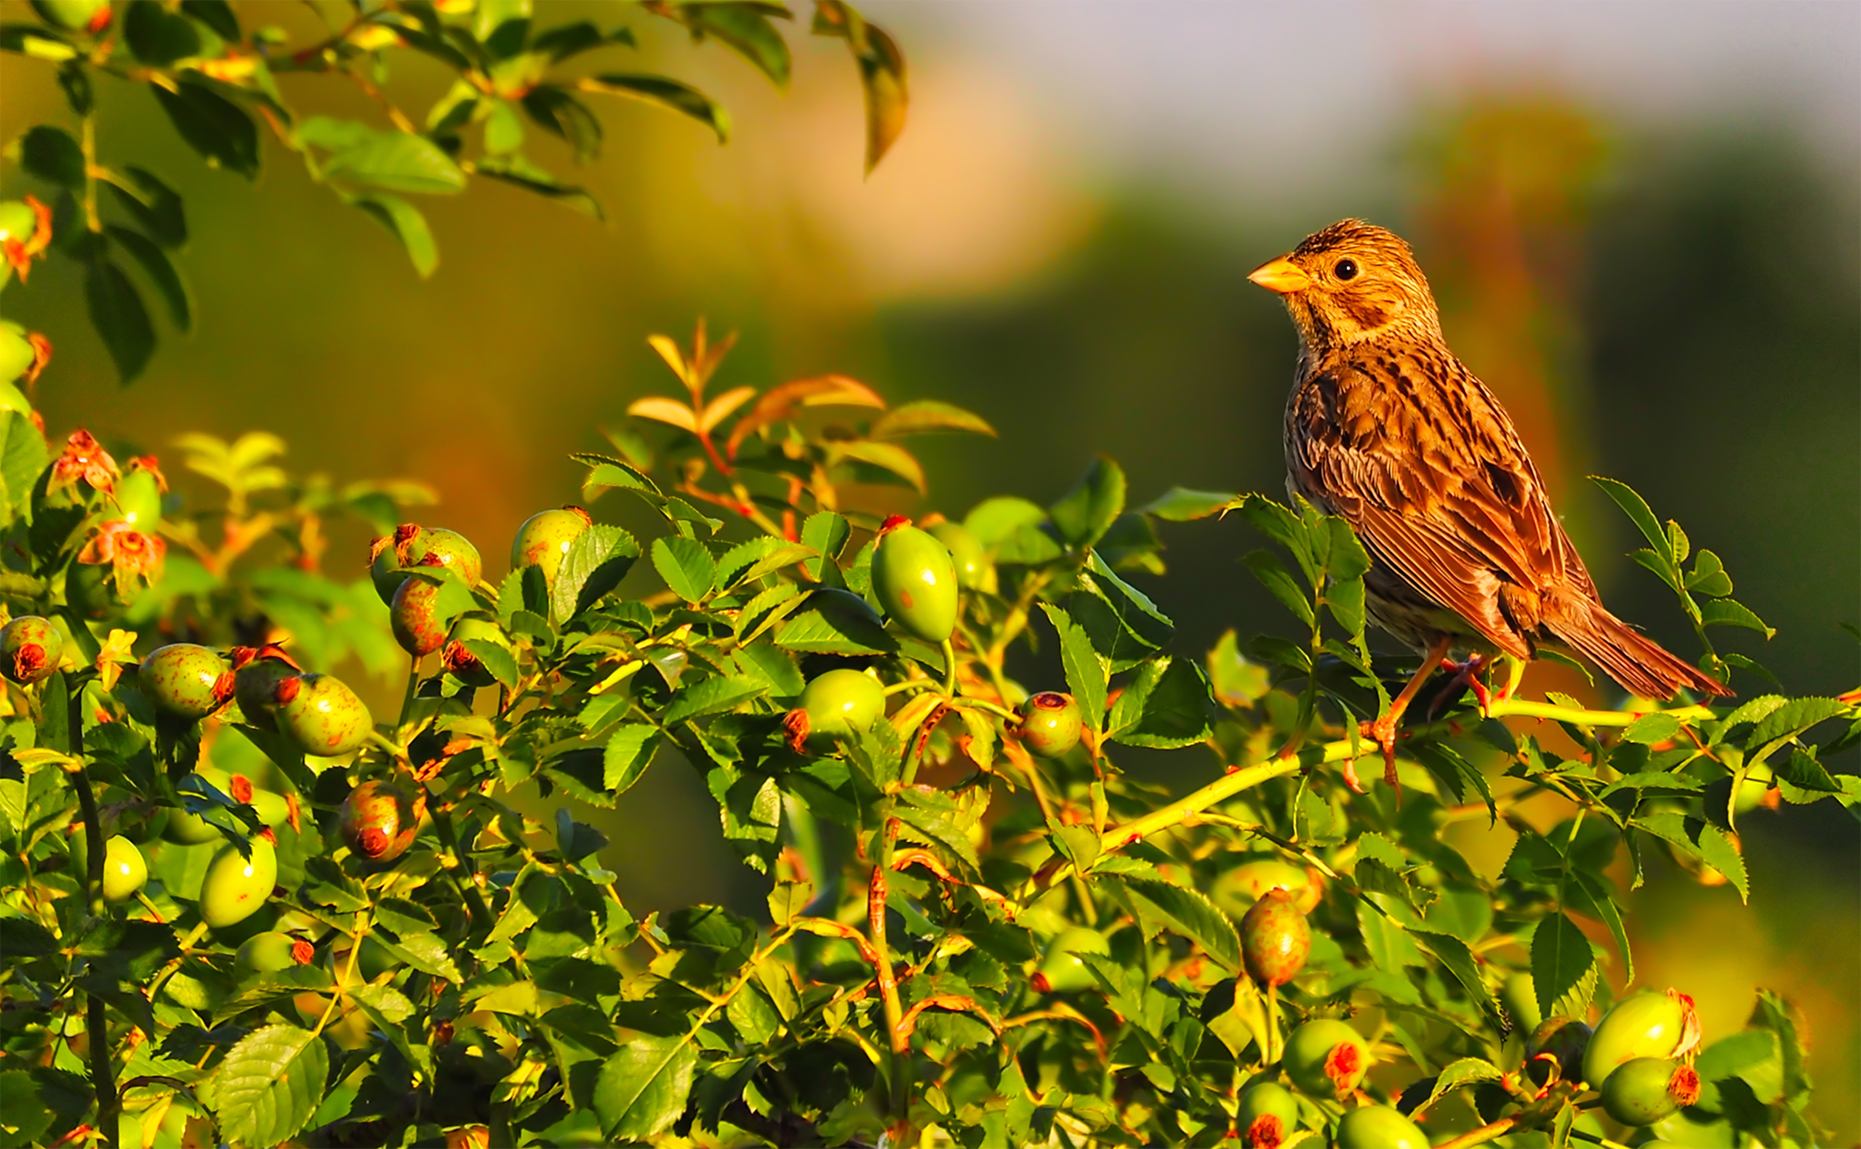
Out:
{"x": 1439, "y": 488}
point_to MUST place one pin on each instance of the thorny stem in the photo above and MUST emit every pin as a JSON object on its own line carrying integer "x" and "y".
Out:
{"x": 899, "y": 1078}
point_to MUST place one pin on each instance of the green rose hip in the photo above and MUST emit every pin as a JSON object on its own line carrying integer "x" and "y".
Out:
{"x": 1645, "y": 1090}
{"x": 30, "y": 648}
{"x": 1062, "y": 971}
{"x": 914, "y": 579}
{"x": 321, "y": 715}
{"x": 272, "y": 952}
{"x": 74, "y": 15}
{"x": 1326, "y": 1059}
{"x": 125, "y": 871}
{"x": 974, "y": 571}
{"x": 1644, "y": 1025}
{"x": 185, "y": 680}
{"x": 1275, "y": 939}
{"x": 840, "y": 703}
{"x": 546, "y": 537}
{"x": 1377, "y": 1127}
{"x": 1050, "y": 724}
{"x": 1267, "y": 1114}
{"x": 237, "y": 885}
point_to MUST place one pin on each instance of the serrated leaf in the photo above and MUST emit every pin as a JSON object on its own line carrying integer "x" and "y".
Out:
{"x": 595, "y": 563}
{"x": 643, "y": 1087}
{"x": 629, "y": 752}
{"x": 1728, "y": 612}
{"x": 1593, "y": 893}
{"x": 1175, "y": 710}
{"x": 1651, "y": 728}
{"x": 423, "y": 951}
{"x": 1459, "y": 1074}
{"x": 268, "y": 1086}
{"x": 831, "y": 621}
{"x": 392, "y": 161}
{"x": 712, "y": 696}
{"x": 686, "y": 566}
{"x": 1181, "y": 505}
{"x": 1562, "y": 961}
{"x": 1192, "y": 915}
{"x": 1639, "y": 513}
{"x": 1274, "y": 576}
{"x": 1086, "y": 673}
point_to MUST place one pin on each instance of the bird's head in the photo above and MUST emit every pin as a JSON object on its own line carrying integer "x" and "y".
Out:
{"x": 1350, "y": 282}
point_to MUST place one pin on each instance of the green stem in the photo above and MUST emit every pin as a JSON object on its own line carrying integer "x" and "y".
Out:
{"x": 97, "y": 1024}
{"x": 898, "y": 1084}
{"x": 949, "y": 669}
{"x": 1481, "y": 1135}
{"x": 413, "y": 689}
{"x": 468, "y": 890}
{"x": 1270, "y": 1054}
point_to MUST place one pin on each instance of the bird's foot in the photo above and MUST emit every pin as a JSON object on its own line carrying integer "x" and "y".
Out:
{"x": 1466, "y": 676}
{"x": 1381, "y": 731}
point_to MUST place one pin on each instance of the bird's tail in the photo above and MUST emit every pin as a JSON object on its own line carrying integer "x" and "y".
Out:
{"x": 1641, "y": 665}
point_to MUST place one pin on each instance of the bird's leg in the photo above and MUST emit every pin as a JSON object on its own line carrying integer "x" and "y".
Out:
{"x": 1382, "y": 731}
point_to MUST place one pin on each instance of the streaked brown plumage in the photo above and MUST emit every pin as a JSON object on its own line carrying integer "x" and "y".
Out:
{"x": 1386, "y": 428}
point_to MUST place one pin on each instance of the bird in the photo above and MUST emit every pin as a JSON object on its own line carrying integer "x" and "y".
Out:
{"x": 1387, "y": 429}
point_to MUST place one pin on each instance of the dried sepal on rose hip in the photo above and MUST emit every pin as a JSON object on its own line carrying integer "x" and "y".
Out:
{"x": 378, "y": 820}
{"x": 1050, "y": 724}
{"x": 30, "y": 649}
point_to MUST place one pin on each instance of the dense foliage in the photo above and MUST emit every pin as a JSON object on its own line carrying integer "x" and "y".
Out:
{"x": 236, "y": 908}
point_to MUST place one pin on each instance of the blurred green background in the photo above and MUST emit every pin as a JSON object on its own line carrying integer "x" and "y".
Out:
{"x": 1643, "y": 223}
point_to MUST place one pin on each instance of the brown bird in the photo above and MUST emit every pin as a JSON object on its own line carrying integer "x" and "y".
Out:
{"x": 1386, "y": 428}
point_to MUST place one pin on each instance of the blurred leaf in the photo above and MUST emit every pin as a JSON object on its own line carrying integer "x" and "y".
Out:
{"x": 217, "y": 15}
{"x": 156, "y": 207}
{"x": 1085, "y": 672}
{"x": 1085, "y": 513}
{"x": 994, "y": 520}
{"x": 1181, "y": 505}
{"x": 1236, "y": 682}
{"x": 1702, "y": 840}
{"x": 522, "y": 173}
{"x": 212, "y": 125}
{"x": 924, "y": 415}
{"x": 782, "y": 401}
{"x": 881, "y": 73}
{"x": 566, "y": 40}
{"x": 116, "y": 311}
{"x": 665, "y": 92}
{"x": 407, "y": 224}
{"x": 719, "y": 409}
{"x": 887, "y": 457}
{"x": 556, "y": 111}
{"x": 745, "y": 29}
{"x": 504, "y": 129}
{"x": 38, "y": 43}
{"x": 52, "y": 155}
{"x": 686, "y": 566}
{"x": 160, "y": 271}
{"x": 664, "y": 410}
{"x": 392, "y": 161}
{"x": 157, "y": 36}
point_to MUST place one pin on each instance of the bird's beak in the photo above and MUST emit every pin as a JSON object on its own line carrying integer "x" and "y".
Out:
{"x": 1281, "y": 275}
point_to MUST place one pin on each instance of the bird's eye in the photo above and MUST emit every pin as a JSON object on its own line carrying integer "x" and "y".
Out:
{"x": 1346, "y": 269}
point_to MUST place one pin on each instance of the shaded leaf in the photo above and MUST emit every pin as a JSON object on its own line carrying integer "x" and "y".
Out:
{"x": 1190, "y": 914}
{"x": 920, "y": 416}
{"x": 405, "y": 222}
{"x": 117, "y": 312}
{"x": 212, "y": 125}
{"x": 643, "y": 1087}
{"x": 1563, "y": 966}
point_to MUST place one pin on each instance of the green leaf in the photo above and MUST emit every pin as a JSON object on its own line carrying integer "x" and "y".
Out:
{"x": 1651, "y": 728}
{"x": 881, "y": 73}
{"x": 629, "y": 752}
{"x": 1729, "y": 612}
{"x": 1459, "y": 1074}
{"x": 1279, "y": 582}
{"x": 827, "y": 532}
{"x": 576, "y": 840}
{"x": 920, "y": 416}
{"x": 832, "y": 621}
{"x": 643, "y": 1087}
{"x": 712, "y": 696}
{"x": 1137, "y": 614}
{"x": 1175, "y": 709}
{"x": 212, "y": 125}
{"x": 686, "y": 566}
{"x": 1803, "y": 771}
{"x": 665, "y": 92}
{"x": 558, "y": 112}
{"x": 1086, "y": 672}
{"x": 1190, "y": 914}
{"x": 1638, "y": 512}
{"x": 1087, "y": 511}
{"x": 495, "y": 658}
{"x": 269, "y": 1085}
{"x": 879, "y": 461}
{"x": 217, "y": 15}
{"x": 116, "y": 311}
{"x": 389, "y": 160}
{"x": 161, "y": 272}
{"x": 760, "y": 556}
{"x": 520, "y": 172}
{"x": 1563, "y": 966}
{"x": 746, "y": 29}
{"x": 155, "y": 206}
{"x": 1593, "y": 893}
{"x": 994, "y": 521}
{"x": 1702, "y": 840}
{"x": 597, "y": 560}
{"x": 53, "y": 156}
{"x": 1709, "y": 577}
{"x": 1181, "y": 505}
{"x": 425, "y": 952}
{"x": 405, "y": 222}
{"x": 157, "y": 36}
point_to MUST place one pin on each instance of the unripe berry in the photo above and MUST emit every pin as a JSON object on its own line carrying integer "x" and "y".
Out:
{"x": 378, "y": 821}
{"x": 1050, "y": 724}
{"x": 415, "y": 617}
{"x": 914, "y": 579}
{"x": 1275, "y": 939}
{"x": 1644, "y": 1025}
{"x": 185, "y": 680}
{"x": 256, "y": 675}
{"x": 1266, "y": 1116}
{"x": 1377, "y": 1127}
{"x": 124, "y": 869}
{"x": 74, "y": 15}
{"x": 1561, "y": 1039}
{"x": 1644, "y": 1090}
{"x": 545, "y": 538}
{"x": 974, "y": 571}
{"x": 30, "y": 648}
{"x": 838, "y": 704}
{"x": 272, "y": 952}
{"x": 236, "y": 885}
{"x": 321, "y": 715}
{"x": 1326, "y": 1058}
{"x": 1062, "y": 971}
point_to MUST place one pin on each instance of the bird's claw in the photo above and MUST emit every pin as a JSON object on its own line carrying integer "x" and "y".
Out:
{"x": 1466, "y": 676}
